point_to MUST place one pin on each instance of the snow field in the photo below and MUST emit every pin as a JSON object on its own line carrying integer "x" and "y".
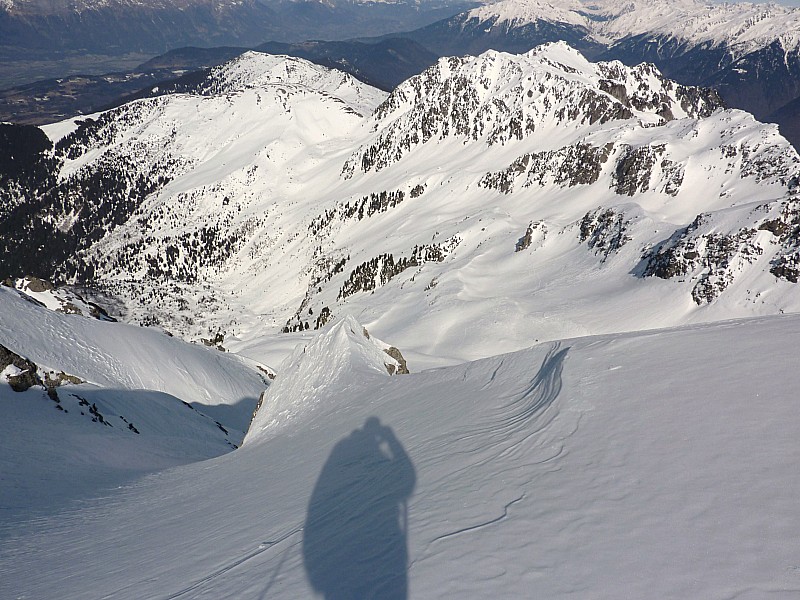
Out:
{"x": 638, "y": 465}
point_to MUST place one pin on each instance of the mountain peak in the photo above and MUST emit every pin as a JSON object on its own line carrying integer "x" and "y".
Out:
{"x": 254, "y": 69}
{"x": 500, "y": 98}
{"x": 330, "y": 361}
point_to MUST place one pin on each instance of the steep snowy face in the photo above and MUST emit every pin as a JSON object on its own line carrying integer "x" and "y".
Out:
{"x": 498, "y": 98}
{"x": 117, "y": 356}
{"x": 742, "y": 27}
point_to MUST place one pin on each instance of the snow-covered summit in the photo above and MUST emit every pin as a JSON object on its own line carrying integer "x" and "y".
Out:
{"x": 344, "y": 352}
{"x": 258, "y": 70}
{"x": 518, "y": 12}
{"x": 499, "y": 97}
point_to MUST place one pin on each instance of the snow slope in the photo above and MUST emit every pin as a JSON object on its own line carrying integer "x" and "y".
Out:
{"x": 117, "y": 356}
{"x": 128, "y": 401}
{"x": 657, "y": 464}
{"x": 97, "y": 439}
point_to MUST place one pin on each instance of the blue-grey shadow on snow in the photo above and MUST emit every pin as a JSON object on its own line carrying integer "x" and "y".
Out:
{"x": 355, "y": 535}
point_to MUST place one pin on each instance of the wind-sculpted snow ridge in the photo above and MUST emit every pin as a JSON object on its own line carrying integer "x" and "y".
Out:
{"x": 740, "y": 26}
{"x": 341, "y": 355}
{"x": 499, "y": 98}
{"x": 659, "y": 464}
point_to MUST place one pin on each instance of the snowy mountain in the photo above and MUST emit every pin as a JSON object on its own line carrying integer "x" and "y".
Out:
{"x": 749, "y": 52}
{"x": 741, "y": 27}
{"x": 260, "y": 203}
{"x": 581, "y": 265}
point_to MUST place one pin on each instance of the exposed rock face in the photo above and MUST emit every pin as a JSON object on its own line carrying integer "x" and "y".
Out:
{"x": 525, "y": 241}
{"x": 580, "y": 164}
{"x": 786, "y": 228}
{"x": 634, "y": 169}
{"x": 26, "y": 374}
{"x": 604, "y": 230}
{"x": 27, "y": 371}
{"x": 712, "y": 258}
{"x": 402, "y": 369}
{"x": 35, "y": 284}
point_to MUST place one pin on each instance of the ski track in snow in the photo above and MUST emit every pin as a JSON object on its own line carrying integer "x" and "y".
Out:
{"x": 473, "y": 528}
{"x": 263, "y": 547}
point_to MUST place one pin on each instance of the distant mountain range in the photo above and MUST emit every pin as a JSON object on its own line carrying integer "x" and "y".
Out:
{"x": 750, "y": 53}
{"x": 44, "y": 40}
{"x": 121, "y": 26}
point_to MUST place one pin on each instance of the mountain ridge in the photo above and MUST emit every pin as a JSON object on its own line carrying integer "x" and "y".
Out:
{"x": 616, "y": 174}
{"x": 750, "y": 53}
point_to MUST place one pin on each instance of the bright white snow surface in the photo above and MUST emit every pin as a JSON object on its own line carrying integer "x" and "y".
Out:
{"x": 120, "y": 356}
{"x": 148, "y": 402}
{"x": 660, "y": 464}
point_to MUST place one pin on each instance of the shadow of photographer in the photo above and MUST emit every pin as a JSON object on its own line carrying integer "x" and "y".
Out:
{"x": 355, "y": 534}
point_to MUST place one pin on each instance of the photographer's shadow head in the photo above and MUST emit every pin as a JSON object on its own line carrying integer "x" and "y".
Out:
{"x": 355, "y": 535}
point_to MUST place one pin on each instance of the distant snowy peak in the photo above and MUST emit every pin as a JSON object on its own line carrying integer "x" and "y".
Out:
{"x": 741, "y": 26}
{"x": 498, "y": 98}
{"x": 518, "y": 12}
{"x": 258, "y": 70}
{"x": 331, "y": 360}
